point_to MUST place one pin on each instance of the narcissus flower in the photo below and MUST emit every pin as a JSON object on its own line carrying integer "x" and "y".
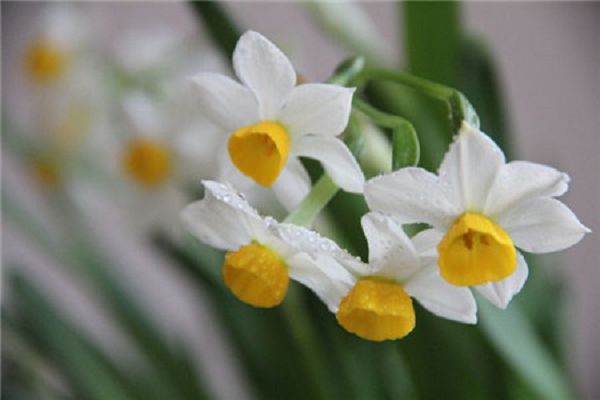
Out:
{"x": 268, "y": 122}
{"x": 481, "y": 208}
{"x": 50, "y": 53}
{"x": 146, "y": 164}
{"x": 262, "y": 255}
{"x": 374, "y": 300}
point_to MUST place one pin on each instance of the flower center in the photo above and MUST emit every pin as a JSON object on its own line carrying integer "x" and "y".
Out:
{"x": 46, "y": 171}
{"x": 146, "y": 161}
{"x": 260, "y": 151}
{"x": 256, "y": 275}
{"x": 377, "y": 309}
{"x": 45, "y": 62}
{"x": 475, "y": 251}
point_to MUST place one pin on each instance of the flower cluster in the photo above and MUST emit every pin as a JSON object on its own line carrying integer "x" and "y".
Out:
{"x": 478, "y": 207}
{"x": 248, "y": 136}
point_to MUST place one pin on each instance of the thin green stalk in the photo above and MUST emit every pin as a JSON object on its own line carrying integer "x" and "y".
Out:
{"x": 321, "y": 193}
{"x": 405, "y": 142}
{"x": 459, "y": 107}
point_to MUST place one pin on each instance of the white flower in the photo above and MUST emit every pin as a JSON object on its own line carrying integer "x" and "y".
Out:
{"x": 147, "y": 52}
{"x": 481, "y": 207}
{"x": 58, "y": 36}
{"x": 262, "y": 254}
{"x": 268, "y": 122}
{"x": 146, "y": 164}
{"x": 373, "y": 300}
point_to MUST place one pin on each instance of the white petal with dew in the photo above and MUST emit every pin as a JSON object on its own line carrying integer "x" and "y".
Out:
{"x": 469, "y": 168}
{"x": 264, "y": 68}
{"x": 441, "y": 298}
{"x": 337, "y": 160}
{"x": 391, "y": 252}
{"x": 411, "y": 195}
{"x": 542, "y": 225}
{"x": 328, "y": 279}
{"x": 316, "y": 108}
{"x": 223, "y": 219}
{"x": 225, "y": 101}
{"x": 501, "y": 293}
{"x": 426, "y": 243}
{"x": 520, "y": 181}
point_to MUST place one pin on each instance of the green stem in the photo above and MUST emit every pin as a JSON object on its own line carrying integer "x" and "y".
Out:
{"x": 406, "y": 149}
{"x": 459, "y": 107}
{"x": 379, "y": 117}
{"x": 314, "y": 202}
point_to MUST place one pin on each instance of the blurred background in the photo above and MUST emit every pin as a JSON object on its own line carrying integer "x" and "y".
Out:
{"x": 124, "y": 310}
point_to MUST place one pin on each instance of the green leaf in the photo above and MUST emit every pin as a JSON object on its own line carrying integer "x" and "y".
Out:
{"x": 81, "y": 256}
{"x": 220, "y": 26}
{"x": 91, "y": 373}
{"x": 405, "y": 147}
{"x": 479, "y": 80}
{"x": 432, "y": 39}
{"x": 513, "y": 337}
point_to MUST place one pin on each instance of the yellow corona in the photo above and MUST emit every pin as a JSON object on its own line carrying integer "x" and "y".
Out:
{"x": 45, "y": 62}
{"x": 147, "y": 161}
{"x": 260, "y": 151}
{"x": 475, "y": 251}
{"x": 256, "y": 275}
{"x": 377, "y": 309}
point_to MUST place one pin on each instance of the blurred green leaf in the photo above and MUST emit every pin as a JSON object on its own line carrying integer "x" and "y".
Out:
{"x": 479, "y": 80}
{"x": 433, "y": 37}
{"x": 512, "y": 335}
{"x": 221, "y": 28}
{"x": 81, "y": 257}
{"x": 93, "y": 375}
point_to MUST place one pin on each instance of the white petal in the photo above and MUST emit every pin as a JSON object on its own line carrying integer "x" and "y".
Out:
{"x": 143, "y": 115}
{"x": 223, "y": 219}
{"x": 264, "y": 68}
{"x": 324, "y": 276}
{"x": 225, "y": 101}
{"x": 519, "y": 181}
{"x": 470, "y": 166}
{"x": 411, "y": 195}
{"x": 316, "y": 108}
{"x": 441, "y": 298}
{"x": 542, "y": 225}
{"x": 426, "y": 242}
{"x": 337, "y": 160}
{"x": 500, "y": 293}
{"x": 391, "y": 253}
{"x": 308, "y": 241}
{"x": 293, "y": 184}
{"x": 312, "y": 243}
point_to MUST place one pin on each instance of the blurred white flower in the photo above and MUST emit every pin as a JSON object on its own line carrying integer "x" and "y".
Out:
{"x": 374, "y": 300}
{"x": 147, "y": 52}
{"x": 51, "y": 52}
{"x": 267, "y": 122}
{"x": 481, "y": 207}
{"x": 146, "y": 163}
